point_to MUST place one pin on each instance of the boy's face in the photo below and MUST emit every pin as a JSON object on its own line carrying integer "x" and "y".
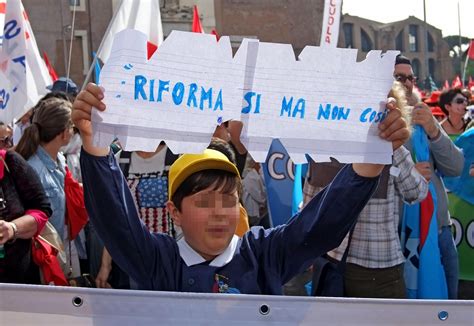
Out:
{"x": 208, "y": 220}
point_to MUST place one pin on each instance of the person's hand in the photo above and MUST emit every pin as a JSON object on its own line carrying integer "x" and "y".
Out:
{"x": 6, "y": 231}
{"x": 221, "y": 133}
{"x": 471, "y": 170}
{"x": 234, "y": 129}
{"x": 394, "y": 127}
{"x": 422, "y": 116}
{"x": 90, "y": 97}
{"x": 101, "y": 281}
{"x": 425, "y": 169}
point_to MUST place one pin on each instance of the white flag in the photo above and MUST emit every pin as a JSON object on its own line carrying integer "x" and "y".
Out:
{"x": 13, "y": 63}
{"x": 140, "y": 15}
{"x": 23, "y": 76}
{"x": 331, "y": 19}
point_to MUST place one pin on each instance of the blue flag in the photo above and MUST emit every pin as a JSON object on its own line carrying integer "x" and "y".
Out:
{"x": 283, "y": 181}
{"x": 96, "y": 68}
{"x": 424, "y": 273}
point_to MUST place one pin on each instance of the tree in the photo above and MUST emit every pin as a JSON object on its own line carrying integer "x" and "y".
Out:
{"x": 456, "y": 52}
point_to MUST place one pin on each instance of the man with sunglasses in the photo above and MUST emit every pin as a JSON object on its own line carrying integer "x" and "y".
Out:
{"x": 445, "y": 160}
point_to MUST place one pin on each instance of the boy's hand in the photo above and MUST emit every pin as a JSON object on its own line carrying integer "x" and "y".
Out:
{"x": 90, "y": 97}
{"x": 394, "y": 129}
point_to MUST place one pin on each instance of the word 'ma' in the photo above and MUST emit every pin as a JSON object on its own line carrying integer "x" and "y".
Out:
{"x": 194, "y": 96}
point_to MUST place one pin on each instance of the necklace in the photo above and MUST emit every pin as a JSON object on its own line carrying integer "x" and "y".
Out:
{"x": 462, "y": 127}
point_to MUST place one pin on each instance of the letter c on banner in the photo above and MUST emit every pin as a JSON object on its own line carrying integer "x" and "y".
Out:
{"x": 458, "y": 231}
{"x": 470, "y": 234}
{"x": 290, "y": 167}
{"x": 271, "y": 166}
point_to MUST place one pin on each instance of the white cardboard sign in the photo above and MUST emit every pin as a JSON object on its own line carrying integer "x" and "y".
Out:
{"x": 325, "y": 104}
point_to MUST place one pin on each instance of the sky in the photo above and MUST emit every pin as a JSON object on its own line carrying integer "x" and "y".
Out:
{"x": 442, "y": 14}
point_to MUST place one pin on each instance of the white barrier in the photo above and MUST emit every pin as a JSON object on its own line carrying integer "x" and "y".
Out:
{"x": 43, "y": 305}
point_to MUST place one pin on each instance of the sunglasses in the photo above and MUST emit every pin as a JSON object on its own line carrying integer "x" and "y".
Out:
{"x": 7, "y": 140}
{"x": 403, "y": 78}
{"x": 460, "y": 101}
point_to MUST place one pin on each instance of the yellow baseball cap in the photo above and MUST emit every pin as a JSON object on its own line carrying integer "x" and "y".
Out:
{"x": 188, "y": 164}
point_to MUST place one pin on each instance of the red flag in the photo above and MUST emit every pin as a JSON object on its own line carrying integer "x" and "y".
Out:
{"x": 470, "y": 51}
{"x": 52, "y": 72}
{"x": 426, "y": 214}
{"x": 214, "y": 32}
{"x": 77, "y": 216}
{"x": 471, "y": 83}
{"x": 446, "y": 85}
{"x": 151, "y": 48}
{"x": 44, "y": 256}
{"x": 197, "y": 27}
{"x": 456, "y": 82}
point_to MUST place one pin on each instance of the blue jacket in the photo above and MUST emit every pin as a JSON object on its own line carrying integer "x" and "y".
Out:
{"x": 263, "y": 260}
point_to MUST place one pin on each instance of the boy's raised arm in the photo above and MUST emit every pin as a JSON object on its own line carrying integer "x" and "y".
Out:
{"x": 90, "y": 97}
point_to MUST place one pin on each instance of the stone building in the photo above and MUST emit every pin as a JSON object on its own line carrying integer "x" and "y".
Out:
{"x": 52, "y": 22}
{"x": 423, "y": 44}
{"x": 281, "y": 21}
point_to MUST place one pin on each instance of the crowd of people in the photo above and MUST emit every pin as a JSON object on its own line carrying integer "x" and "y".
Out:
{"x": 200, "y": 222}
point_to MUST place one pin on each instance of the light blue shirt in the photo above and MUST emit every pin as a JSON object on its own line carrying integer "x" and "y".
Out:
{"x": 52, "y": 174}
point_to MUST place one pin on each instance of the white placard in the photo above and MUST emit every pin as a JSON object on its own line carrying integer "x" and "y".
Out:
{"x": 326, "y": 104}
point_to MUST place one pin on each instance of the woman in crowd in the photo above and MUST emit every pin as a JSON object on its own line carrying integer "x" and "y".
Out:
{"x": 24, "y": 210}
{"x": 51, "y": 128}
{"x": 453, "y": 102}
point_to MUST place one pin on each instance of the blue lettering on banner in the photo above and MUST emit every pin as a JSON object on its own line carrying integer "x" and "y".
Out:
{"x": 192, "y": 97}
{"x": 152, "y": 87}
{"x": 299, "y": 108}
{"x": 11, "y": 30}
{"x": 331, "y": 112}
{"x": 157, "y": 89}
{"x": 164, "y": 86}
{"x": 205, "y": 95}
{"x": 4, "y": 98}
{"x": 20, "y": 60}
{"x": 370, "y": 115}
{"x": 248, "y": 98}
{"x": 218, "y": 104}
{"x": 178, "y": 93}
{"x": 287, "y": 107}
{"x": 140, "y": 82}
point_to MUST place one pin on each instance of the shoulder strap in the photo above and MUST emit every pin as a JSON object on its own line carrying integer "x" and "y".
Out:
{"x": 125, "y": 158}
{"x": 3, "y": 163}
{"x": 346, "y": 252}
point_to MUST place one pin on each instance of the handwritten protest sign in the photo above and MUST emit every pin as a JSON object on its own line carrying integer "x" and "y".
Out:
{"x": 325, "y": 104}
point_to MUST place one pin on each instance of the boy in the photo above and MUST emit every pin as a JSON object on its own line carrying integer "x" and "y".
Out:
{"x": 203, "y": 192}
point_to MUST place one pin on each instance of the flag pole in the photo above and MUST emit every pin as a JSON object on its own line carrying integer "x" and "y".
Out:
{"x": 465, "y": 68}
{"x": 460, "y": 43}
{"x": 94, "y": 61}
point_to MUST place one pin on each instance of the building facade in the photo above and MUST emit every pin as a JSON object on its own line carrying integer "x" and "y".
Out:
{"x": 280, "y": 21}
{"x": 422, "y": 44}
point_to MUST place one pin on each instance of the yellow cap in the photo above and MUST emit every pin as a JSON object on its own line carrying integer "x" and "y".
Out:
{"x": 188, "y": 164}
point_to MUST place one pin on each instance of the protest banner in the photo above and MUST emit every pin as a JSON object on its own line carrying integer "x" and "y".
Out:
{"x": 326, "y": 104}
{"x": 330, "y": 28}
